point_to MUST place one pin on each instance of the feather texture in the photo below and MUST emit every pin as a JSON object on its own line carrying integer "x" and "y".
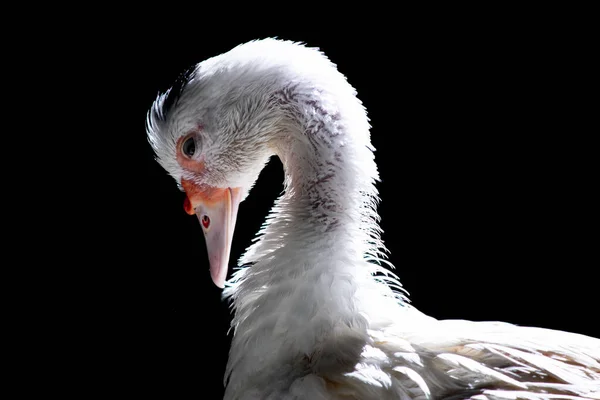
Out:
{"x": 317, "y": 316}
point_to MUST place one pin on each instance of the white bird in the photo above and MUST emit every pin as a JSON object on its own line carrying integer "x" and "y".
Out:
{"x": 316, "y": 315}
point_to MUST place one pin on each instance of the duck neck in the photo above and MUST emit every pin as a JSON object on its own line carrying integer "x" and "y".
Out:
{"x": 328, "y": 207}
{"x": 324, "y": 226}
{"x": 309, "y": 280}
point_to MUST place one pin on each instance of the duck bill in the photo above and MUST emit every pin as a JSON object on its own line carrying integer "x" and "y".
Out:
{"x": 216, "y": 210}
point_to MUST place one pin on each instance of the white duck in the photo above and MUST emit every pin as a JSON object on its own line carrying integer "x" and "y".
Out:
{"x": 316, "y": 316}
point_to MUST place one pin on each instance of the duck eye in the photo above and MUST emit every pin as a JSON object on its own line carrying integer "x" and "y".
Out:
{"x": 189, "y": 147}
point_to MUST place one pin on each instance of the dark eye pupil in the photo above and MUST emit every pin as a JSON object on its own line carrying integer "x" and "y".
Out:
{"x": 189, "y": 147}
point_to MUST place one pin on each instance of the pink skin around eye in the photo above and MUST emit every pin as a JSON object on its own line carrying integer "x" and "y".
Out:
{"x": 205, "y": 221}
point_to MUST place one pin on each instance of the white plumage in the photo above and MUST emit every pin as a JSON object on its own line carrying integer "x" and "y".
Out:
{"x": 316, "y": 316}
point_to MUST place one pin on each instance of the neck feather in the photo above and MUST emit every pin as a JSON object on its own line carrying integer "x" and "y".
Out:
{"x": 329, "y": 202}
{"x": 310, "y": 277}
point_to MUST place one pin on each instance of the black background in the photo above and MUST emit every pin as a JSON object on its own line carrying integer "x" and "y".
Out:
{"x": 486, "y": 185}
